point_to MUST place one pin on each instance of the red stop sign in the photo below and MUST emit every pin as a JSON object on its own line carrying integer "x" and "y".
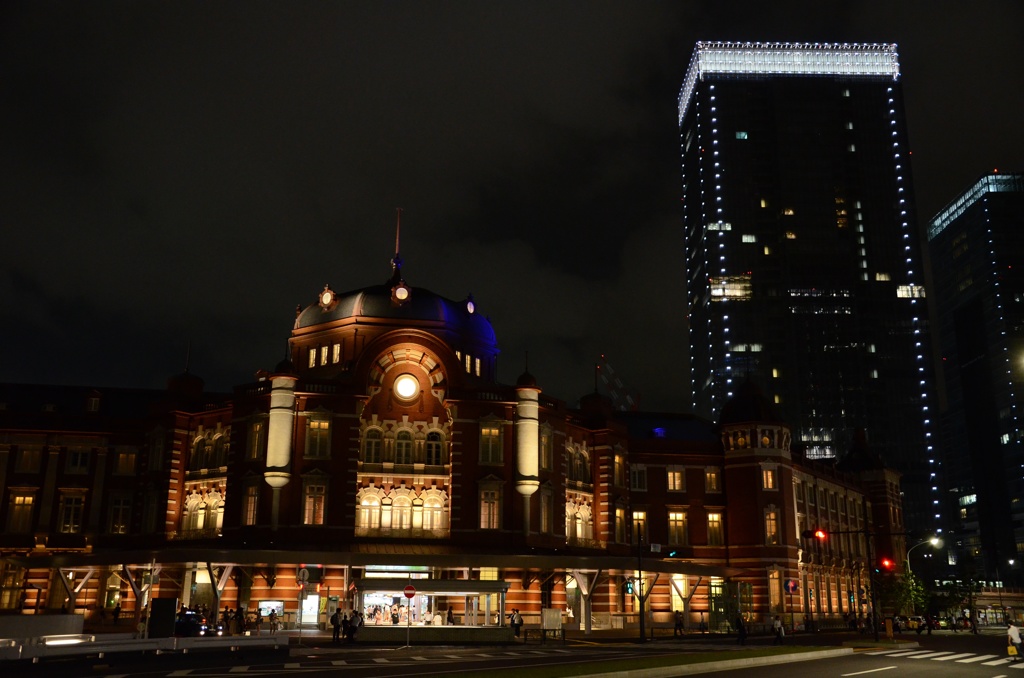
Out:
{"x": 410, "y": 591}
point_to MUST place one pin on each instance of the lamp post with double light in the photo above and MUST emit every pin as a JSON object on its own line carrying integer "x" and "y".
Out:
{"x": 934, "y": 541}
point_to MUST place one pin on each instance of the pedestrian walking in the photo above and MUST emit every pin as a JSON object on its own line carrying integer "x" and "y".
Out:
{"x": 1013, "y": 639}
{"x": 779, "y": 630}
{"x": 741, "y": 631}
{"x": 678, "y": 630}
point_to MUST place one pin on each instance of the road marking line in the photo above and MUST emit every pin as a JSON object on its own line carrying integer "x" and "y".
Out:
{"x": 953, "y": 656}
{"x": 293, "y": 665}
{"x": 998, "y": 662}
{"x": 979, "y": 658}
{"x": 878, "y": 652}
{"x": 421, "y": 659}
{"x": 861, "y": 673}
{"x": 931, "y": 655}
{"x": 907, "y": 653}
{"x": 381, "y": 660}
{"x": 339, "y": 662}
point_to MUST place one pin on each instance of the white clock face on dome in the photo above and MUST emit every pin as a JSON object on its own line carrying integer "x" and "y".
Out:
{"x": 402, "y": 293}
{"x": 326, "y": 298}
{"x": 470, "y": 306}
{"x": 406, "y": 386}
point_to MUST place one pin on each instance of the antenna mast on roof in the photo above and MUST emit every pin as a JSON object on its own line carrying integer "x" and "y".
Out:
{"x": 398, "y": 232}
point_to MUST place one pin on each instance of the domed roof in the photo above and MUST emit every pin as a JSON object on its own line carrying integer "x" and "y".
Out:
{"x": 749, "y": 404}
{"x": 422, "y": 305}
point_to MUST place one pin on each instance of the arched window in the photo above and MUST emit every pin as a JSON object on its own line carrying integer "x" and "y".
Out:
{"x": 433, "y": 513}
{"x": 220, "y": 451}
{"x": 403, "y": 448}
{"x": 401, "y": 514}
{"x": 371, "y": 446}
{"x": 368, "y": 513}
{"x": 198, "y": 460}
{"x": 435, "y": 449}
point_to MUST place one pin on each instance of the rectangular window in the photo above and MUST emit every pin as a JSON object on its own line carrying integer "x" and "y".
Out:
{"x": 775, "y": 590}
{"x": 639, "y": 526}
{"x": 318, "y": 438}
{"x": 476, "y": 366}
{"x": 675, "y": 480}
{"x": 677, "y": 532}
{"x": 78, "y": 461}
{"x": 490, "y": 444}
{"x": 638, "y": 478}
{"x": 546, "y": 512}
{"x": 28, "y": 460}
{"x": 120, "y": 515}
{"x": 125, "y": 464}
{"x": 620, "y": 526}
{"x": 312, "y": 357}
{"x": 19, "y": 516}
{"x": 490, "y": 504}
{"x": 749, "y": 238}
{"x": 741, "y": 135}
{"x": 314, "y": 502}
{"x": 256, "y": 440}
{"x": 771, "y": 527}
{"x": 336, "y": 354}
{"x": 547, "y": 449}
{"x": 711, "y": 480}
{"x": 768, "y": 479}
{"x": 620, "y": 471}
{"x": 323, "y": 355}
{"x": 71, "y": 510}
{"x": 715, "y": 536}
{"x": 250, "y": 504}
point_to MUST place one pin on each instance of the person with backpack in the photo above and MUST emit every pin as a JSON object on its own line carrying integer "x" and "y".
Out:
{"x": 336, "y": 626}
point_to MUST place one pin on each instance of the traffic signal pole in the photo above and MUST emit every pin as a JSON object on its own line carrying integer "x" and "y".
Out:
{"x": 820, "y": 535}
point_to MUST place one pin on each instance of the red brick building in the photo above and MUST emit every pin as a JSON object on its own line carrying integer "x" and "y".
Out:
{"x": 383, "y": 450}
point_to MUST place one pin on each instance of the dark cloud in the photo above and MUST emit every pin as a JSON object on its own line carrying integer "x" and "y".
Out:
{"x": 186, "y": 173}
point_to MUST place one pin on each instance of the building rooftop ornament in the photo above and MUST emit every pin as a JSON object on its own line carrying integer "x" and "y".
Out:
{"x": 787, "y": 58}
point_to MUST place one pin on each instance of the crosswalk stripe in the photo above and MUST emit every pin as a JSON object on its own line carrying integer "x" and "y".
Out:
{"x": 381, "y": 660}
{"x": 979, "y": 658}
{"x": 954, "y": 656}
{"x": 1017, "y": 665}
{"x": 878, "y": 652}
{"x": 930, "y": 655}
{"x": 293, "y": 665}
{"x": 339, "y": 662}
{"x": 908, "y": 653}
{"x": 421, "y": 659}
{"x": 997, "y": 662}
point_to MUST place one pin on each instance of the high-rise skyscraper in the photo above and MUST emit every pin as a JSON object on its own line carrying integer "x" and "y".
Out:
{"x": 977, "y": 251}
{"x": 804, "y": 267}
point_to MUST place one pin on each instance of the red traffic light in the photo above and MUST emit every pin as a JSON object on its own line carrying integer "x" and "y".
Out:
{"x": 820, "y": 535}
{"x": 887, "y": 564}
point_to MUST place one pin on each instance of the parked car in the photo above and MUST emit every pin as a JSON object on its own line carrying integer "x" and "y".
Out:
{"x": 915, "y": 622}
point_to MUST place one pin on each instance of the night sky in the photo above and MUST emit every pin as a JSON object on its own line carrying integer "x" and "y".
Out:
{"x": 179, "y": 173}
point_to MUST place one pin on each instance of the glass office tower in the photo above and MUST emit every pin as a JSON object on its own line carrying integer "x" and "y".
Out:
{"x": 977, "y": 250}
{"x": 804, "y": 269}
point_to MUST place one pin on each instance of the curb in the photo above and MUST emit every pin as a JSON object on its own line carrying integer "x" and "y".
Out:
{"x": 723, "y": 665}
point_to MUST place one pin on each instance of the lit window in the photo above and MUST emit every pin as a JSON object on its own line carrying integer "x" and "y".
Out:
{"x": 401, "y": 514}
{"x": 677, "y": 533}
{"x": 747, "y": 237}
{"x": 790, "y": 235}
{"x": 910, "y": 292}
{"x": 250, "y": 504}
{"x": 715, "y": 537}
{"x": 318, "y": 438}
{"x": 711, "y": 480}
{"x": 730, "y": 287}
{"x": 476, "y": 366}
{"x": 433, "y": 513}
{"x": 547, "y": 448}
{"x": 619, "y": 474}
{"x": 741, "y": 135}
{"x": 788, "y": 211}
{"x": 256, "y": 440}
{"x": 639, "y": 526}
{"x": 846, "y": 92}
{"x": 849, "y": 125}
{"x": 323, "y": 355}
{"x": 778, "y": 399}
{"x": 314, "y": 499}
{"x": 851, "y": 148}
{"x": 874, "y": 374}
{"x": 675, "y": 480}
{"x": 336, "y": 354}
{"x": 775, "y": 372}
{"x": 620, "y": 526}
{"x": 368, "y": 513}
{"x": 19, "y": 515}
{"x": 468, "y": 363}
{"x": 767, "y": 250}
{"x": 764, "y": 203}
{"x": 124, "y": 463}
{"x": 312, "y": 357}
{"x": 768, "y": 479}
{"x": 490, "y": 444}
{"x": 490, "y": 507}
{"x": 771, "y": 527}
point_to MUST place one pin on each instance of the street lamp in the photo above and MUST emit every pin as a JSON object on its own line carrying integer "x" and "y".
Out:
{"x": 934, "y": 541}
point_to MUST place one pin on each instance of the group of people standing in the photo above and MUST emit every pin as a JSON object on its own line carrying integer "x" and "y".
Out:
{"x": 346, "y": 628}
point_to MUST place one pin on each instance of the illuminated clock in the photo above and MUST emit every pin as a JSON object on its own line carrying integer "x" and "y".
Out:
{"x": 406, "y": 386}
